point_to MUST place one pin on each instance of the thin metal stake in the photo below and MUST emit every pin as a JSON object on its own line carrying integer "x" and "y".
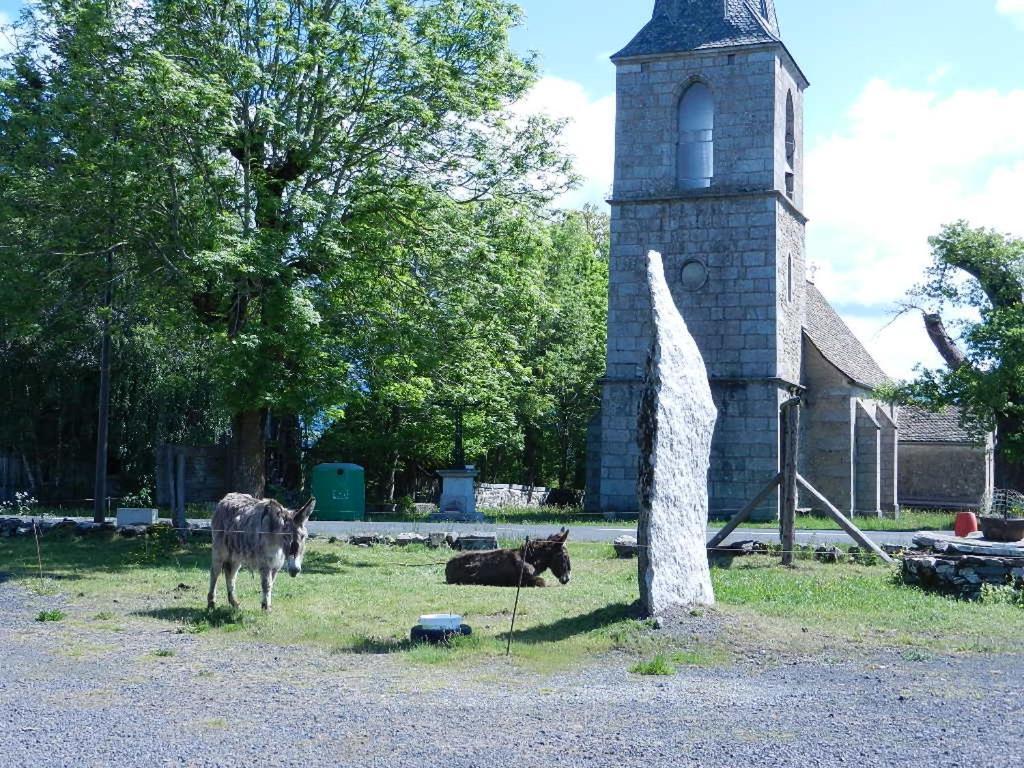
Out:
{"x": 39, "y": 551}
{"x": 515, "y": 608}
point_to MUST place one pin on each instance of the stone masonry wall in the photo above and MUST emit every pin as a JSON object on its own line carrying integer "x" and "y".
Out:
{"x": 889, "y": 460}
{"x": 938, "y": 475}
{"x": 867, "y": 457}
{"x": 499, "y": 495}
{"x": 826, "y": 439}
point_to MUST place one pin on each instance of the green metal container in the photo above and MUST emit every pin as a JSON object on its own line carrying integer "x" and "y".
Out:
{"x": 340, "y": 492}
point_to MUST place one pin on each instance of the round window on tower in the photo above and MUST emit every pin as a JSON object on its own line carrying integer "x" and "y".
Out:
{"x": 694, "y": 275}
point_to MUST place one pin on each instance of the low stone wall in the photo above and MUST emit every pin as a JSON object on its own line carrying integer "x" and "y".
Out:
{"x": 498, "y": 495}
{"x": 961, "y": 575}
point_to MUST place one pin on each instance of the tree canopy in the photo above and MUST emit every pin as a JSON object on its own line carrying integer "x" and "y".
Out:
{"x": 979, "y": 275}
{"x": 321, "y": 214}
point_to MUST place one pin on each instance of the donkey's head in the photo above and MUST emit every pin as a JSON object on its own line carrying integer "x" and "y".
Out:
{"x": 551, "y": 553}
{"x": 296, "y": 535}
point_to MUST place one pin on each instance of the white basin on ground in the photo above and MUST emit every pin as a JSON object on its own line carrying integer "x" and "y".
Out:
{"x": 441, "y": 621}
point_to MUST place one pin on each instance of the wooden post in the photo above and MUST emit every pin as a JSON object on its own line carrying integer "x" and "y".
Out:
{"x": 790, "y": 451}
{"x": 179, "y": 521}
{"x": 519, "y": 588}
{"x": 744, "y": 514}
{"x": 855, "y": 533}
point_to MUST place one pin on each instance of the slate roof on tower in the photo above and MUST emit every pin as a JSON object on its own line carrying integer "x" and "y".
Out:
{"x": 690, "y": 25}
{"x": 837, "y": 344}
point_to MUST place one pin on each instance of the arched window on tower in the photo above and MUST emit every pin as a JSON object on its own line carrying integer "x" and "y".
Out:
{"x": 696, "y": 150}
{"x": 790, "y": 146}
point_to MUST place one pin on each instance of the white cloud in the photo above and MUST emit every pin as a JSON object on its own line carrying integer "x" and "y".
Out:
{"x": 908, "y": 162}
{"x": 1010, "y": 7}
{"x": 589, "y": 135}
{"x": 6, "y": 35}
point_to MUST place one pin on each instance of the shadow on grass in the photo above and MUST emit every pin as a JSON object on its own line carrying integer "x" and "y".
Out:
{"x": 375, "y": 646}
{"x": 329, "y": 563}
{"x": 571, "y": 626}
{"x": 197, "y": 617}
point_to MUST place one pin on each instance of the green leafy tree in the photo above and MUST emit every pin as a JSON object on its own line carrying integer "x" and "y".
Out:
{"x": 92, "y": 210}
{"x": 251, "y": 171}
{"x": 342, "y": 114}
{"x": 980, "y": 274}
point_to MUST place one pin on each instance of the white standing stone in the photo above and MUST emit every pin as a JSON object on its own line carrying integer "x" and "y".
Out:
{"x": 676, "y": 423}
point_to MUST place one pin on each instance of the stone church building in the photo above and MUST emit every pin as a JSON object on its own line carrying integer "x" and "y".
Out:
{"x": 709, "y": 171}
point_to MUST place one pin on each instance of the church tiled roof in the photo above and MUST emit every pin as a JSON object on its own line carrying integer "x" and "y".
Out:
{"x": 920, "y": 426}
{"x": 836, "y": 342}
{"x": 690, "y": 25}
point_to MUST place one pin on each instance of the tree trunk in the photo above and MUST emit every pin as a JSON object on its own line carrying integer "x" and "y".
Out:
{"x": 394, "y": 457}
{"x": 248, "y": 453}
{"x": 99, "y": 509}
{"x": 943, "y": 342}
{"x": 531, "y": 454}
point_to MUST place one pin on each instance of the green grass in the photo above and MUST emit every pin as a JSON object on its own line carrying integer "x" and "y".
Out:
{"x": 909, "y": 520}
{"x": 51, "y": 616}
{"x": 352, "y": 600}
{"x": 163, "y": 653}
{"x": 659, "y": 666}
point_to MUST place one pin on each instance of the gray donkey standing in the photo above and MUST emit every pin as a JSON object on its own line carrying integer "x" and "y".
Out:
{"x": 259, "y": 534}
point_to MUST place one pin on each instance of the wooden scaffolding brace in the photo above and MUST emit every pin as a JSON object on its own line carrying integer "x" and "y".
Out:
{"x": 790, "y": 479}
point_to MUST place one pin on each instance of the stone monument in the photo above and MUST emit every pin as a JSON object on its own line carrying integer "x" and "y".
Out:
{"x": 458, "y": 485}
{"x": 458, "y": 496}
{"x": 674, "y": 429}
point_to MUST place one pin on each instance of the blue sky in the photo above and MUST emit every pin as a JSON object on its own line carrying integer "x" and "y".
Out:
{"x": 913, "y": 119}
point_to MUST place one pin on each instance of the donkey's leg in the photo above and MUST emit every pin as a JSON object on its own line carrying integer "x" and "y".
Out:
{"x": 530, "y": 577}
{"x": 230, "y": 573}
{"x": 211, "y": 596}
{"x": 267, "y": 585}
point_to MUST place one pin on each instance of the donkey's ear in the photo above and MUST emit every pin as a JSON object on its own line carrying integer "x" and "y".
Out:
{"x": 563, "y": 534}
{"x": 303, "y": 513}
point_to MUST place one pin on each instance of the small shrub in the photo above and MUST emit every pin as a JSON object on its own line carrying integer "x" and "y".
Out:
{"x": 141, "y": 499}
{"x": 103, "y": 616}
{"x": 913, "y": 654}
{"x": 163, "y": 653}
{"x": 53, "y": 615}
{"x": 1004, "y": 595}
{"x": 658, "y": 666}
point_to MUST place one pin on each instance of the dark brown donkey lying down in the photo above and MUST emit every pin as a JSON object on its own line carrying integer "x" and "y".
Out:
{"x": 502, "y": 567}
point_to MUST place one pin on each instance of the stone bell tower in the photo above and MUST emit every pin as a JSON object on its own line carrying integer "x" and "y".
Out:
{"x": 709, "y": 172}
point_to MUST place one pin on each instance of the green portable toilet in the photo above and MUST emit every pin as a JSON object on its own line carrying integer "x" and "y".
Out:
{"x": 340, "y": 492}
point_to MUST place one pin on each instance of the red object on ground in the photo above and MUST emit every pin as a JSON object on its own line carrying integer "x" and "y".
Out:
{"x": 966, "y": 523}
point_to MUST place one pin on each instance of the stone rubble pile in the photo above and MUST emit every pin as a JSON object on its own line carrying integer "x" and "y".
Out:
{"x": 962, "y": 575}
{"x": 432, "y": 540}
{"x": 626, "y": 547}
{"x": 961, "y": 567}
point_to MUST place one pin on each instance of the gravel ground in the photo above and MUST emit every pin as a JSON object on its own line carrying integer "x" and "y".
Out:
{"x": 75, "y": 695}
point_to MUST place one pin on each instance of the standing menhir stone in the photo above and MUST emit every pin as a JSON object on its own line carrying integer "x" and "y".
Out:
{"x": 676, "y": 423}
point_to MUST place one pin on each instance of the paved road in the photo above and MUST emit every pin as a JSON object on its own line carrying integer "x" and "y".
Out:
{"x": 591, "y": 532}
{"x": 582, "y": 532}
